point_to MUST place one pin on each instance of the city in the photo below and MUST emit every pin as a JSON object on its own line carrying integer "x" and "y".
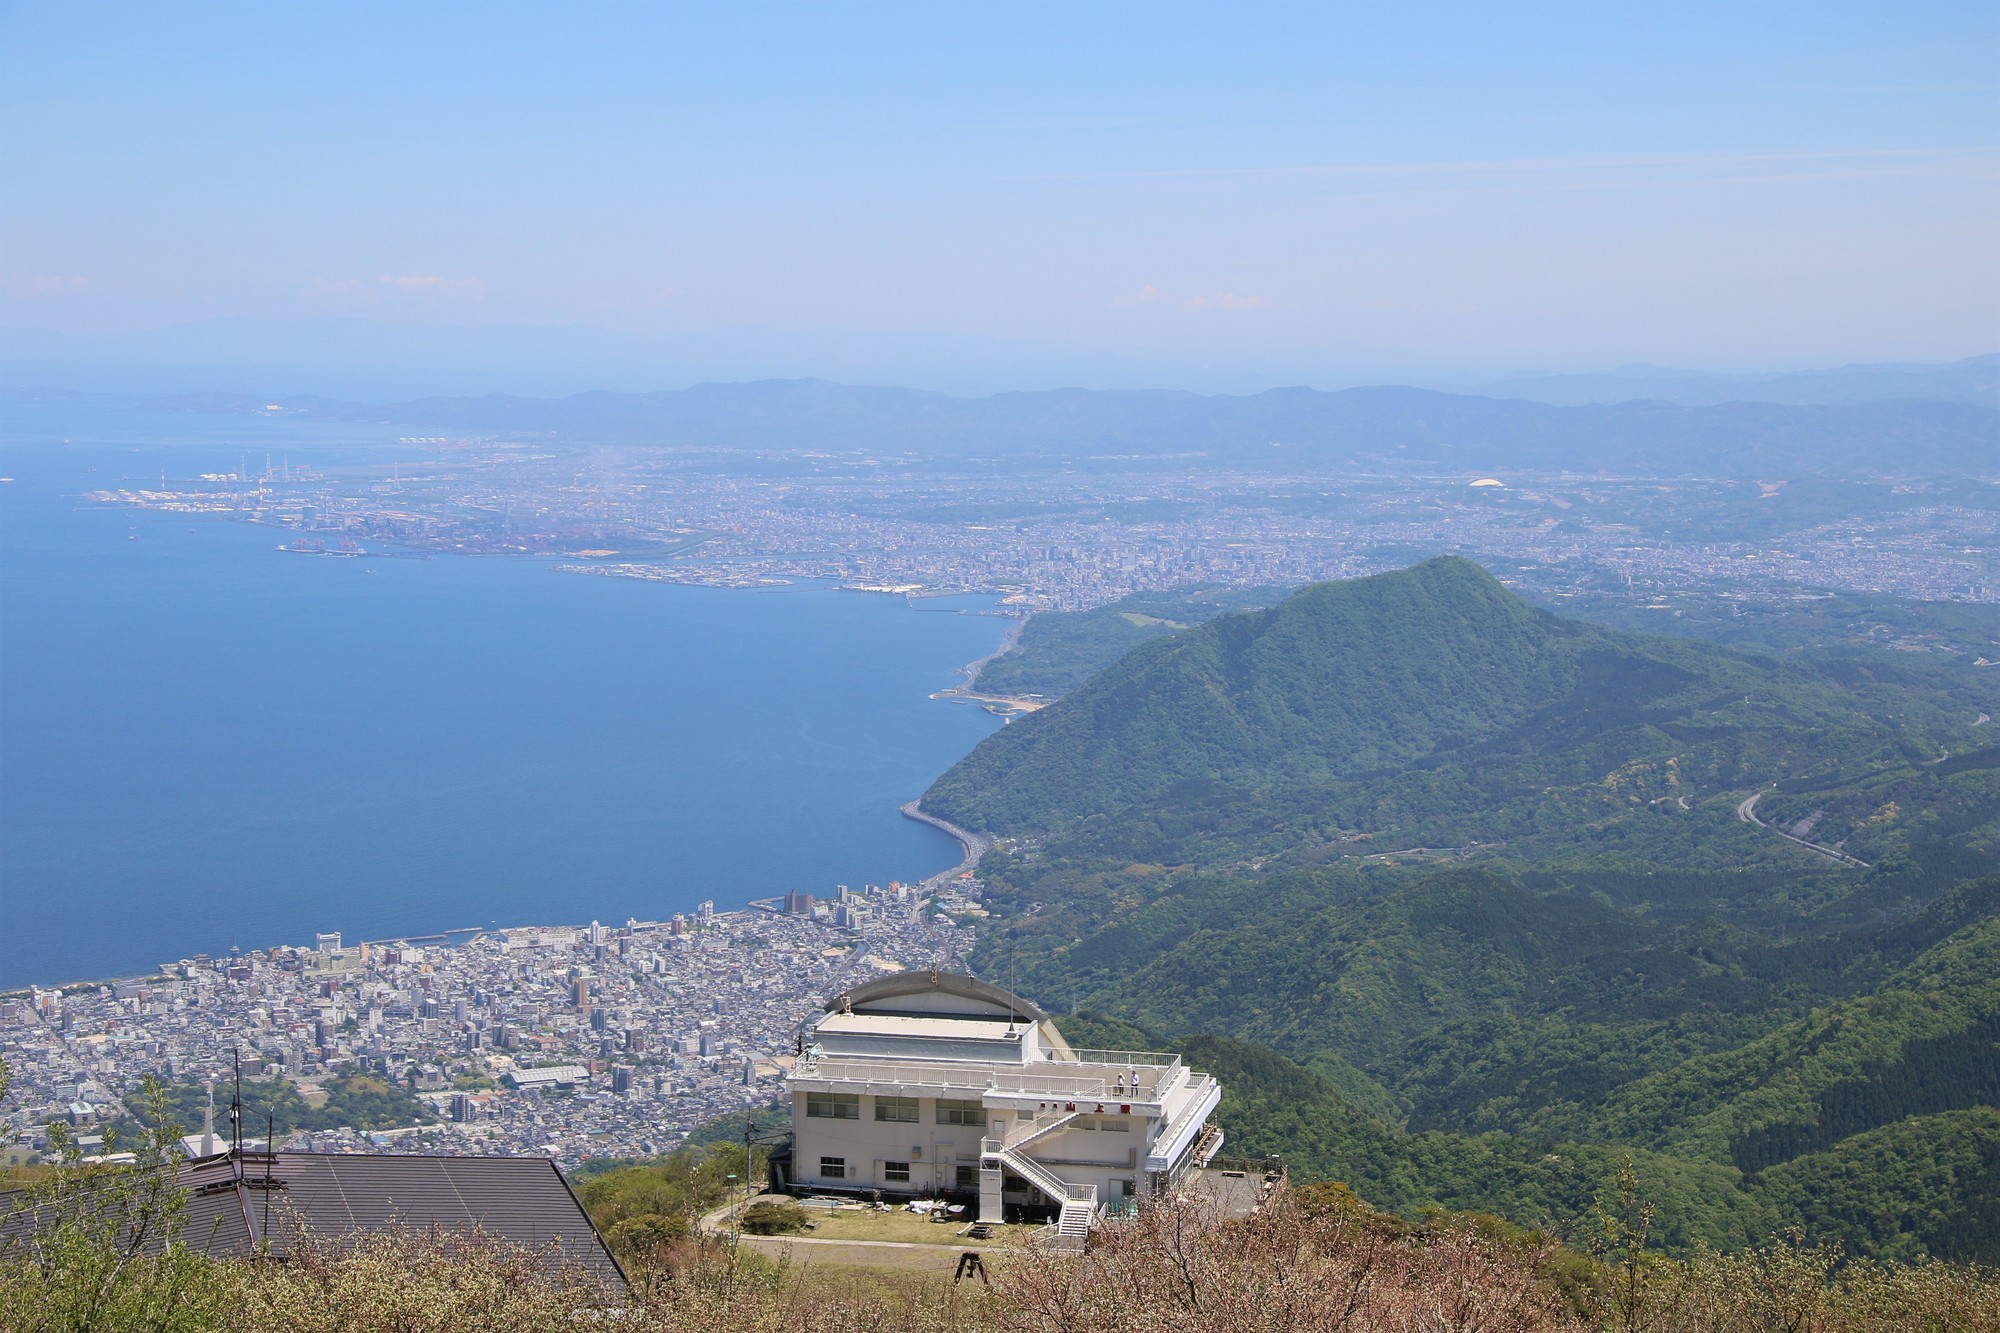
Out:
{"x": 1071, "y": 540}
{"x": 570, "y": 1042}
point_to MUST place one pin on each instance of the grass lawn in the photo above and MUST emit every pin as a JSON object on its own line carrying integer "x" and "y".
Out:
{"x": 899, "y": 1226}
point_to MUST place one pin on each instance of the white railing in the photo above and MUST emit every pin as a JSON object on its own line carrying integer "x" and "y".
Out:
{"x": 1201, "y": 1089}
{"x": 1043, "y": 1179}
{"x": 1034, "y": 1127}
{"x": 983, "y": 1078}
{"x": 1053, "y": 1237}
{"x": 1144, "y": 1059}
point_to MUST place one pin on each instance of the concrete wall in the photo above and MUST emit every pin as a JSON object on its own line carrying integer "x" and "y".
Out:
{"x": 1106, "y": 1157}
{"x": 931, "y": 1149}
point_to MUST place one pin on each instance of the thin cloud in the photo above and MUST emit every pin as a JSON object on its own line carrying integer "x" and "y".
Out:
{"x": 43, "y": 286}
{"x": 1228, "y": 301}
{"x": 430, "y": 282}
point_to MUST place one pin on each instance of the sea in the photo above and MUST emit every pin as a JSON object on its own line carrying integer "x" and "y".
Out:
{"x": 206, "y": 743}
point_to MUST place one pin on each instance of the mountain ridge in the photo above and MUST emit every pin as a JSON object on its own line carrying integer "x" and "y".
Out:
{"x": 1534, "y": 943}
{"x": 1432, "y": 703}
{"x": 1973, "y": 379}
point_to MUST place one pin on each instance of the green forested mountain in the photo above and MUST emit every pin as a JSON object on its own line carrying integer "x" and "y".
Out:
{"x": 1456, "y": 897}
{"x": 1059, "y": 650}
{"x": 1433, "y": 708}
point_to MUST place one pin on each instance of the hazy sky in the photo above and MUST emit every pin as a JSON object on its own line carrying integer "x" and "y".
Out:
{"x": 1147, "y": 192}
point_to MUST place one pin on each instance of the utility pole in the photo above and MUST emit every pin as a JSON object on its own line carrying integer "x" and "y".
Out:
{"x": 749, "y": 1132}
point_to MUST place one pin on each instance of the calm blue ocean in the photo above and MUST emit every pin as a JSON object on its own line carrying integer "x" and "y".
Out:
{"x": 207, "y": 742}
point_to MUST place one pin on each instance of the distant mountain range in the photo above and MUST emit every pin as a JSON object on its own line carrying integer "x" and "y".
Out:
{"x": 1287, "y": 430}
{"x": 1973, "y": 380}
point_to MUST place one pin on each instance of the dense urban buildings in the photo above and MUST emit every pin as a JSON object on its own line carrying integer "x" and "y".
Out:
{"x": 567, "y": 1041}
{"x": 1065, "y": 539}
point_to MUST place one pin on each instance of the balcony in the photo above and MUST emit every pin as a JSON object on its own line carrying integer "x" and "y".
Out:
{"x": 1026, "y": 1082}
{"x": 1129, "y": 1059}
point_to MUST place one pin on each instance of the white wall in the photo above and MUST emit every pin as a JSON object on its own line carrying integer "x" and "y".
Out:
{"x": 1104, "y": 1157}
{"x": 931, "y": 1149}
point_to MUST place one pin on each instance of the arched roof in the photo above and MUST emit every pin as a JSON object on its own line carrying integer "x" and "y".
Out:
{"x": 877, "y": 994}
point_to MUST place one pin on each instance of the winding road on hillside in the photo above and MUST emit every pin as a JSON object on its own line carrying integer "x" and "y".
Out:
{"x": 1746, "y": 810}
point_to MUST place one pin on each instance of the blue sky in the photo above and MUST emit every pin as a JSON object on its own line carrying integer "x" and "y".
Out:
{"x": 991, "y": 195}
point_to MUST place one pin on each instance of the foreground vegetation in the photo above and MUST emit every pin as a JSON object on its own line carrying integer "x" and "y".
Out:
{"x": 109, "y": 1250}
{"x": 1314, "y": 1264}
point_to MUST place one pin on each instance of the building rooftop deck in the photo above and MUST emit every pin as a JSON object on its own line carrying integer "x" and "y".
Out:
{"x": 1071, "y": 1079}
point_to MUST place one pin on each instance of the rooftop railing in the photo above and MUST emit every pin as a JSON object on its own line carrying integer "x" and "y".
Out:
{"x": 1130, "y": 1059}
{"x": 982, "y": 1078}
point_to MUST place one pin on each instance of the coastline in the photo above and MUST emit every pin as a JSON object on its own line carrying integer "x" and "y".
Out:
{"x": 975, "y": 845}
{"x": 1004, "y": 707}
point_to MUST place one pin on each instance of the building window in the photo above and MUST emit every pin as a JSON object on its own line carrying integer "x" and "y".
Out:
{"x": 968, "y": 1177}
{"x": 960, "y": 1113}
{"x": 896, "y": 1173}
{"x": 896, "y": 1108}
{"x": 833, "y": 1105}
{"x": 833, "y": 1168}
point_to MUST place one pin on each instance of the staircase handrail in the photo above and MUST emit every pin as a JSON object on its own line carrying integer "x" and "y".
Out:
{"x": 1039, "y": 1126}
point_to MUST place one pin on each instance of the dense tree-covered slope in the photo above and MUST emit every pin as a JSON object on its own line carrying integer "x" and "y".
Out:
{"x": 1059, "y": 650}
{"x": 1456, "y": 896}
{"x": 1894, "y": 640}
{"x": 1431, "y": 707}
{"x": 1926, "y": 1040}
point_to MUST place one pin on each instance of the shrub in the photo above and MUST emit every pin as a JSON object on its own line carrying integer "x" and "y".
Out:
{"x": 769, "y": 1217}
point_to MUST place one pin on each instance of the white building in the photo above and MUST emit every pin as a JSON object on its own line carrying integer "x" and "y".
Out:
{"x": 549, "y": 1076}
{"x": 934, "y": 1083}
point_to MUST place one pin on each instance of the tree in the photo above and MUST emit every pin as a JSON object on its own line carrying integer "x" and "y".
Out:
{"x": 104, "y": 1243}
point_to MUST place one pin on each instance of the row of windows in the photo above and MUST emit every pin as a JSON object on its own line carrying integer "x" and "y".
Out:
{"x": 835, "y": 1168}
{"x": 833, "y": 1106}
{"x": 847, "y": 1106}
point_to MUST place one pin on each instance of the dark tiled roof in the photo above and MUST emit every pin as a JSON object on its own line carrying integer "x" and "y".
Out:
{"x": 239, "y": 1204}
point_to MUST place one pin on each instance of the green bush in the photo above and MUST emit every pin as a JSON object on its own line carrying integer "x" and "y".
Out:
{"x": 768, "y": 1217}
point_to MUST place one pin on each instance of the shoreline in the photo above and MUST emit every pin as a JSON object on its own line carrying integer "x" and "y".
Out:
{"x": 974, "y": 845}
{"x": 1005, "y": 707}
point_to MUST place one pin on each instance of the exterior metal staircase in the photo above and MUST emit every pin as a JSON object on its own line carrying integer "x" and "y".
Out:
{"x": 1038, "y": 1127}
{"x": 1076, "y": 1204}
